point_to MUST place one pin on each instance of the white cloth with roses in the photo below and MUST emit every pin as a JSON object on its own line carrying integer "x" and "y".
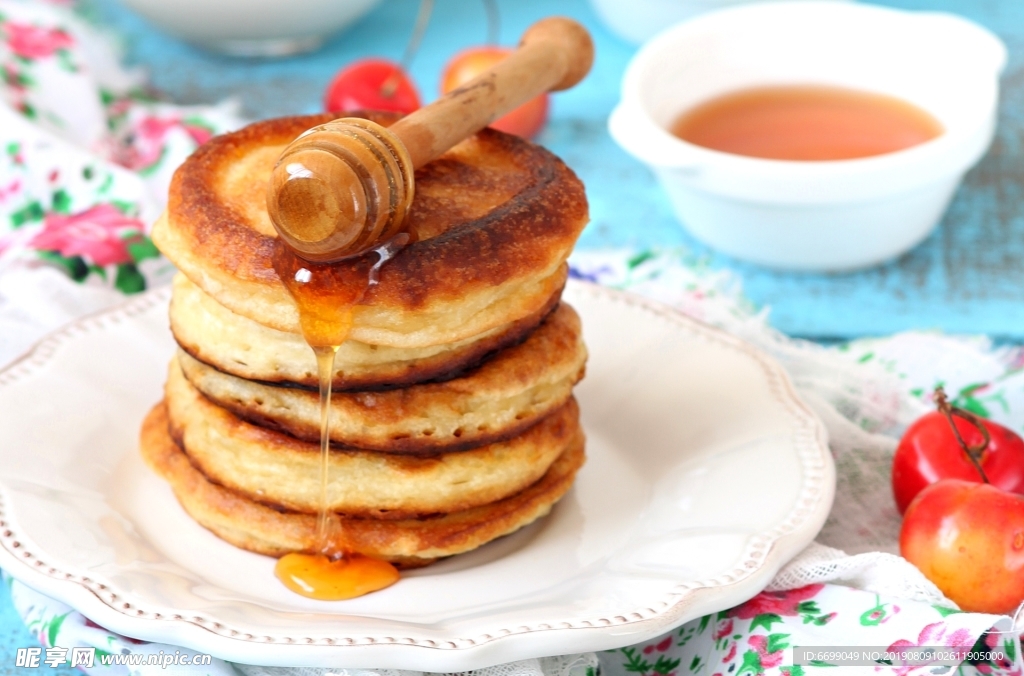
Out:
{"x": 85, "y": 160}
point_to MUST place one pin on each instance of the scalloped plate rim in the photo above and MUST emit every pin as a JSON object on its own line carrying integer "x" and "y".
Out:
{"x": 516, "y": 643}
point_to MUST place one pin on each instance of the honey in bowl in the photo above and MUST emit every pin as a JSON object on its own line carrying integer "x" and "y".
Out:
{"x": 806, "y": 123}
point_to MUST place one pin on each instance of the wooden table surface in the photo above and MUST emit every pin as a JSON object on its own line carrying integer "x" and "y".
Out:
{"x": 967, "y": 277}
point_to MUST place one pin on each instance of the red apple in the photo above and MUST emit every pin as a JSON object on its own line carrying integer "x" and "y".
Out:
{"x": 371, "y": 84}
{"x": 526, "y": 120}
{"x": 929, "y": 451}
{"x": 968, "y": 538}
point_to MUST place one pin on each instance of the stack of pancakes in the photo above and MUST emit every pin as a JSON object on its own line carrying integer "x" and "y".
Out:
{"x": 452, "y": 421}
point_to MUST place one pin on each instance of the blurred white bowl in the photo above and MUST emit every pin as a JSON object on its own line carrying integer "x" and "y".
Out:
{"x": 253, "y": 27}
{"x": 823, "y": 216}
{"x": 637, "y": 21}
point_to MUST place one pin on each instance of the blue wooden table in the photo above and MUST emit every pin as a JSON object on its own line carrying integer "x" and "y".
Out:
{"x": 967, "y": 277}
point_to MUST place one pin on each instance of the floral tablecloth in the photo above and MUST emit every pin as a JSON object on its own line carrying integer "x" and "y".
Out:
{"x": 85, "y": 158}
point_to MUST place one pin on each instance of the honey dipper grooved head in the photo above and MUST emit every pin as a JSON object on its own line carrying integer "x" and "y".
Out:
{"x": 340, "y": 187}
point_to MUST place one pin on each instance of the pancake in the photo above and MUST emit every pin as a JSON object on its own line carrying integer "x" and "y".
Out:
{"x": 237, "y": 345}
{"x": 493, "y": 220}
{"x": 407, "y": 542}
{"x": 282, "y": 471}
{"x": 504, "y": 395}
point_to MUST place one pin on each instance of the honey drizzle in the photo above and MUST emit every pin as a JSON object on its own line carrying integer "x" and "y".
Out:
{"x": 326, "y": 295}
{"x": 325, "y": 358}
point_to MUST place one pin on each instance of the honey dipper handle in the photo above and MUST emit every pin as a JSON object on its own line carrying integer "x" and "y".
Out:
{"x": 341, "y": 188}
{"x": 553, "y": 54}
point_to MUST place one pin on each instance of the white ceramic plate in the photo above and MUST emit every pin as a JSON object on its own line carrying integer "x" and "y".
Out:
{"x": 705, "y": 474}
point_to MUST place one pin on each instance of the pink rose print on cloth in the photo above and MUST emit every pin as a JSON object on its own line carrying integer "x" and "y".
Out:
{"x": 880, "y": 613}
{"x": 995, "y": 653}
{"x": 146, "y": 142}
{"x": 10, "y": 189}
{"x": 933, "y": 635}
{"x": 660, "y": 647}
{"x": 723, "y": 629}
{"x": 15, "y": 80}
{"x": 767, "y": 653}
{"x": 97, "y": 234}
{"x": 768, "y": 608}
{"x": 639, "y": 658}
{"x": 786, "y": 603}
{"x": 34, "y": 42}
{"x": 89, "y": 242}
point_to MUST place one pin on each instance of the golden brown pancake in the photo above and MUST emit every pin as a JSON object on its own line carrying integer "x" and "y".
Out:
{"x": 494, "y": 220}
{"x": 503, "y": 396}
{"x": 407, "y": 542}
{"x": 280, "y": 470}
{"x": 237, "y": 345}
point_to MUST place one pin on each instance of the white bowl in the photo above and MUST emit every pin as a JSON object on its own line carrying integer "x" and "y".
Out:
{"x": 822, "y": 216}
{"x": 253, "y": 27}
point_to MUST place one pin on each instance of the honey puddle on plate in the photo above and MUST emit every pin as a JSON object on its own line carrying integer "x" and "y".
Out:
{"x": 806, "y": 123}
{"x": 326, "y": 295}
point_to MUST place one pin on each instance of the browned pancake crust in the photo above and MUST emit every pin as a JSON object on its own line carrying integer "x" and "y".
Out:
{"x": 410, "y": 542}
{"x": 231, "y": 343}
{"x": 497, "y": 400}
{"x": 512, "y": 220}
{"x": 281, "y": 471}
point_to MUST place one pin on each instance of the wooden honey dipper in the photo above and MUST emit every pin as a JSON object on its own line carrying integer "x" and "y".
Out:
{"x": 342, "y": 187}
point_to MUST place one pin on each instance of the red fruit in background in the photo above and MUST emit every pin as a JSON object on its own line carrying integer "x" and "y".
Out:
{"x": 968, "y": 538}
{"x": 929, "y": 451}
{"x": 373, "y": 84}
{"x": 526, "y": 120}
